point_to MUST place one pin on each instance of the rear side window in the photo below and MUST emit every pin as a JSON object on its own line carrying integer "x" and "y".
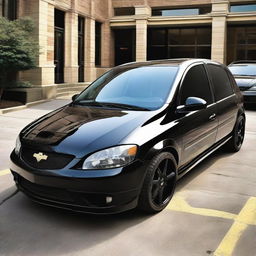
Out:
{"x": 196, "y": 84}
{"x": 221, "y": 82}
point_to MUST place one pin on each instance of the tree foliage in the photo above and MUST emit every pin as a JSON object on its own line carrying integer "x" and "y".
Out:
{"x": 18, "y": 49}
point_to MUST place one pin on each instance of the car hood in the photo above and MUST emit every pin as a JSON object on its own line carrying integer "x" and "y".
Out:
{"x": 244, "y": 83}
{"x": 79, "y": 130}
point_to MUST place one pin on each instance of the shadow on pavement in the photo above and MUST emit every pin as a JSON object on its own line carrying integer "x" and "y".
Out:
{"x": 51, "y": 231}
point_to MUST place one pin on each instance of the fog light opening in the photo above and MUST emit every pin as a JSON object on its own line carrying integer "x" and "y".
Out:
{"x": 109, "y": 199}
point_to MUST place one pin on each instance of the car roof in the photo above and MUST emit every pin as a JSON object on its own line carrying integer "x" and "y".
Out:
{"x": 245, "y": 62}
{"x": 166, "y": 62}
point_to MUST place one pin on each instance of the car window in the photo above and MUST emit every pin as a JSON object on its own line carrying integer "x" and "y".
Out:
{"x": 146, "y": 87}
{"x": 196, "y": 84}
{"x": 221, "y": 83}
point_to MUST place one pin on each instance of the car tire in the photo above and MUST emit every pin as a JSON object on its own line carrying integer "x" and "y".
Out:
{"x": 159, "y": 183}
{"x": 236, "y": 141}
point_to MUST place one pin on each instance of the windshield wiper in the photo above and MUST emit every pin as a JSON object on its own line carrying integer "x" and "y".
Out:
{"x": 108, "y": 104}
{"x": 123, "y": 106}
{"x": 88, "y": 103}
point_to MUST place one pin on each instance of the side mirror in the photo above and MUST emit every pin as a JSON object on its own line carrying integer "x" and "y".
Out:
{"x": 192, "y": 104}
{"x": 74, "y": 97}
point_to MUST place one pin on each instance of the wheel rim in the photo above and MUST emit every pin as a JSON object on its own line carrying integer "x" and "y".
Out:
{"x": 163, "y": 183}
{"x": 240, "y": 133}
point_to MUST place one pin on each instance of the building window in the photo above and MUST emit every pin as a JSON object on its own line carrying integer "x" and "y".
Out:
{"x": 59, "y": 45}
{"x": 241, "y": 43}
{"x": 124, "y": 11}
{"x": 9, "y": 9}
{"x": 81, "y": 37}
{"x": 181, "y": 11}
{"x": 98, "y": 43}
{"x": 125, "y": 45}
{"x": 243, "y": 8}
{"x": 164, "y": 43}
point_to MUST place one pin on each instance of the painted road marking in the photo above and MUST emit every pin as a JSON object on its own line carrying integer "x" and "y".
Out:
{"x": 4, "y": 172}
{"x": 178, "y": 203}
{"x": 247, "y": 216}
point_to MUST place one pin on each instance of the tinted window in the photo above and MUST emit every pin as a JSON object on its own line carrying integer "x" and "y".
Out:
{"x": 97, "y": 43}
{"x": 146, "y": 87}
{"x": 180, "y": 12}
{"x": 221, "y": 82}
{"x": 196, "y": 84}
{"x": 124, "y": 11}
{"x": 243, "y": 8}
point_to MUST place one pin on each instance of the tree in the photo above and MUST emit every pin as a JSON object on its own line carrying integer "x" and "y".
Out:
{"x": 18, "y": 50}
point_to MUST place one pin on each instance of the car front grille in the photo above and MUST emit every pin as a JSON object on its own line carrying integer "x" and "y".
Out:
{"x": 50, "y": 160}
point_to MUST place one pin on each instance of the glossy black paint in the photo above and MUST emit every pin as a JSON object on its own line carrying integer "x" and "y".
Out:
{"x": 82, "y": 130}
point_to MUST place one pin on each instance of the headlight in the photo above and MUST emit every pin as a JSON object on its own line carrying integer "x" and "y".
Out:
{"x": 18, "y": 145}
{"x": 111, "y": 157}
{"x": 253, "y": 88}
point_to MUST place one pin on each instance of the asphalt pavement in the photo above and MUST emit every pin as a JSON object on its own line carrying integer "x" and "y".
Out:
{"x": 213, "y": 211}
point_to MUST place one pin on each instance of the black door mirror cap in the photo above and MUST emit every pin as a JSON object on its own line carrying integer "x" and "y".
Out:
{"x": 74, "y": 97}
{"x": 192, "y": 104}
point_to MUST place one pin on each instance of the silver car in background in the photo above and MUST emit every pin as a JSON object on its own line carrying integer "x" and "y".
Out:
{"x": 244, "y": 73}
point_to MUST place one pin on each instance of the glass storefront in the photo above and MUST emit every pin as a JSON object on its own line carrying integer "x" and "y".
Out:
{"x": 241, "y": 43}
{"x": 165, "y": 43}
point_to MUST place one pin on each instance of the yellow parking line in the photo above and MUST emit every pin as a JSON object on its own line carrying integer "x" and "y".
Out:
{"x": 178, "y": 203}
{"x": 246, "y": 217}
{"x": 4, "y": 172}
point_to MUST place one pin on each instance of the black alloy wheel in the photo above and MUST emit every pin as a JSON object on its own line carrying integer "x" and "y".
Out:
{"x": 236, "y": 141}
{"x": 240, "y": 132}
{"x": 159, "y": 183}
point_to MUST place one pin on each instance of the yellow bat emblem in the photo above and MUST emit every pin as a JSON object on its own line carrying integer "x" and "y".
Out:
{"x": 40, "y": 156}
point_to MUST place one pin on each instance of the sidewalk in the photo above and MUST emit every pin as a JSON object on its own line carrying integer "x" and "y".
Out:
{"x": 11, "y": 124}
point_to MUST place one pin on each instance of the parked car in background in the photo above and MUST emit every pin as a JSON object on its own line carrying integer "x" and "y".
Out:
{"x": 126, "y": 139}
{"x": 245, "y": 76}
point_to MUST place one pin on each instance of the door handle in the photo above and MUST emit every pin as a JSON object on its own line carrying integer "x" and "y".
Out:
{"x": 212, "y": 117}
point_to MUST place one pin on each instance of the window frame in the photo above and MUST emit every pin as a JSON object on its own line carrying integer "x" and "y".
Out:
{"x": 178, "y": 100}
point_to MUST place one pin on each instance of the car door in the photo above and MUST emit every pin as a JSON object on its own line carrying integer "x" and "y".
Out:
{"x": 198, "y": 128}
{"x": 226, "y": 101}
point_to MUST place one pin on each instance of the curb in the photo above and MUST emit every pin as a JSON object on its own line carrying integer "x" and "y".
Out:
{"x": 8, "y": 110}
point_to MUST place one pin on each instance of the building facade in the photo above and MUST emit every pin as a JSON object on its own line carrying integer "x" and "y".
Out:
{"x": 81, "y": 39}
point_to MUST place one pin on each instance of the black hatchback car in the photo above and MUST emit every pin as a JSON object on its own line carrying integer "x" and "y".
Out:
{"x": 245, "y": 76}
{"x": 126, "y": 139}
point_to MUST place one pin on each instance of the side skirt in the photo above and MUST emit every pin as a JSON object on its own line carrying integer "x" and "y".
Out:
{"x": 185, "y": 169}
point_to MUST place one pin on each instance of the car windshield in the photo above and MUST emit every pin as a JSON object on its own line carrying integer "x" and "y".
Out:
{"x": 145, "y": 88}
{"x": 243, "y": 70}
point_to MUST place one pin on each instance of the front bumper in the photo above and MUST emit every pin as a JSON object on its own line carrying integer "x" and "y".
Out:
{"x": 99, "y": 195}
{"x": 249, "y": 96}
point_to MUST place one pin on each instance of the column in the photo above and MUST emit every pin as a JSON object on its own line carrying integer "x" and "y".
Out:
{"x": 71, "y": 47}
{"x": 42, "y": 13}
{"x": 220, "y": 9}
{"x": 90, "y": 71}
{"x": 107, "y": 46}
{"x": 142, "y": 12}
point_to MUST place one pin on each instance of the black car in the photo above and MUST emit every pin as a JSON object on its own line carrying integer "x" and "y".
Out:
{"x": 126, "y": 139}
{"x": 245, "y": 76}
